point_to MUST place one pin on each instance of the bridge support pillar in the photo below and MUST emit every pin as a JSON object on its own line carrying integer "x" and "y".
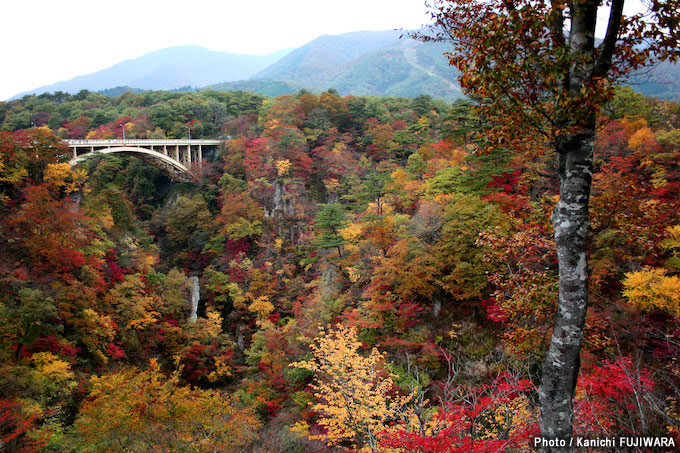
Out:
{"x": 174, "y": 155}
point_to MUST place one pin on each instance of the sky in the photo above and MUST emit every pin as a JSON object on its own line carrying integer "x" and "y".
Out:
{"x": 47, "y": 41}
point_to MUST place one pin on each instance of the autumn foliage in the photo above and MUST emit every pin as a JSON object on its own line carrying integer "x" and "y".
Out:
{"x": 145, "y": 410}
{"x": 368, "y": 278}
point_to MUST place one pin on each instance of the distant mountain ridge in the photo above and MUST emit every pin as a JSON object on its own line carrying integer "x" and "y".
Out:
{"x": 168, "y": 69}
{"x": 381, "y": 63}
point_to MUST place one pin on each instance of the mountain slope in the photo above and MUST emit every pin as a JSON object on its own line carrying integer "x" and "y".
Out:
{"x": 369, "y": 63}
{"x": 169, "y": 68}
{"x": 408, "y": 68}
{"x": 661, "y": 81}
{"x": 320, "y": 60}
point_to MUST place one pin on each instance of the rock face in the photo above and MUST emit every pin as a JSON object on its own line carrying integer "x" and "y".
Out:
{"x": 281, "y": 210}
{"x": 436, "y": 307}
{"x": 281, "y": 204}
{"x": 195, "y": 297}
{"x": 240, "y": 340}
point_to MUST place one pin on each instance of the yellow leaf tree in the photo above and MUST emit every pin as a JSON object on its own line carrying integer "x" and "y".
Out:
{"x": 135, "y": 410}
{"x": 354, "y": 403}
{"x": 651, "y": 289}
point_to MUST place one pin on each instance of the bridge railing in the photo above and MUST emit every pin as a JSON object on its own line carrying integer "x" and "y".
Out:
{"x": 139, "y": 141}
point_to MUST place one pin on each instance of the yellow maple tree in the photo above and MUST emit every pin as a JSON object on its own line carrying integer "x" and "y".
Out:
{"x": 353, "y": 391}
{"x": 261, "y": 307}
{"x": 651, "y": 289}
{"x": 143, "y": 410}
{"x": 282, "y": 166}
{"x": 64, "y": 177}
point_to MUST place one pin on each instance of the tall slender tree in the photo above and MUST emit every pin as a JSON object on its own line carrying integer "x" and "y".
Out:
{"x": 543, "y": 78}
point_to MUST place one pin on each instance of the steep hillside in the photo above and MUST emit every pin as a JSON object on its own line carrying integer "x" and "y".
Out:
{"x": 369, "y": 63}
{"x": 408, "y": 68}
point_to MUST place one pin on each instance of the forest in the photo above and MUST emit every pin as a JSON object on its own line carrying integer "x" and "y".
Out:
{"x": 369, "y": 279}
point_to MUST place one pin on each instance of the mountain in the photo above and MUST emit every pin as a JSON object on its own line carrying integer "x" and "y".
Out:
{"x": 380, "y": 63}
{"x": 319, "y": 60}
{"x": 407, "y": 68}
{"x": 661, "y": 81}
{"x": 167, "y": 69}
{"x": 361, "y": 63}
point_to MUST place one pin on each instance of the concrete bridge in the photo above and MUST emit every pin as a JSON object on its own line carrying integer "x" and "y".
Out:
{"x": 182, "y": 159}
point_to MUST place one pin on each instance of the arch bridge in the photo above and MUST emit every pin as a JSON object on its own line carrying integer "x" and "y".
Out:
{"x": 182, "y": 159}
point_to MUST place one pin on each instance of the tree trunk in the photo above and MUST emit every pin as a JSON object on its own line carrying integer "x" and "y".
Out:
{"x": 570, "y": 222}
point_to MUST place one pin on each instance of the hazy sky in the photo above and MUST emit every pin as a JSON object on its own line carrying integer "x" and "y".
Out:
{"x": 46, "y": 41}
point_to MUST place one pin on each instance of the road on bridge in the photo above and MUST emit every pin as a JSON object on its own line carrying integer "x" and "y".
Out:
{"x": 181, "y": 158}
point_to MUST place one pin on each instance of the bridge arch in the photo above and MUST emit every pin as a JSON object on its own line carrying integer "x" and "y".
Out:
{"x": 175, "y": 168}
{"x": 178, "y": 158}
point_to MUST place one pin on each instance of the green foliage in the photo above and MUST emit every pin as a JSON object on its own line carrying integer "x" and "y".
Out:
{"x": 329, "y": 221}
{"x": 295, "y": 377}
{"x": 173, "y": 288}
{"x": 447, "y": 181}
{"x": 225, "y": 293}
{"x": 189, "y": 223}
{"x": 670, "y": 138}
{"x": 409, "y": 379}
{"x": 484, "y": 167}
{"x": 466, "y": 217}
{"x": 36, "y": 315}
{"x": 626, "y": 103}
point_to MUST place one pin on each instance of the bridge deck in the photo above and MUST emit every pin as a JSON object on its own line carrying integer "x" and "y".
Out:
{"x": 142, "y": 142}
{"x": 181, "y": 158}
